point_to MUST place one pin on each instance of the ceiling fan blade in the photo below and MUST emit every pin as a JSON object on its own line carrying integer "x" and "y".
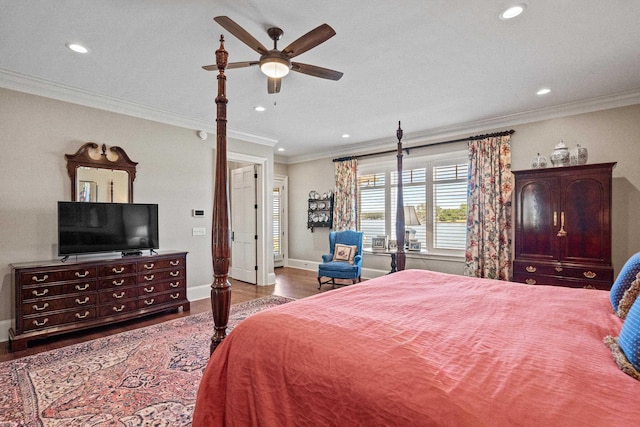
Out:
{"x": 310, "y": 40}
{"x": 240, "y": 33}
{"x": 273, "y": 84}
{"x": 314, "y": 70}
{"x": 232, "y": 65}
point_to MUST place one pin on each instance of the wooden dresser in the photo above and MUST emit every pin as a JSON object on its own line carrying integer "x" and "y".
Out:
{"x": 55, "y": 297}
{"x": 563, "y": 226}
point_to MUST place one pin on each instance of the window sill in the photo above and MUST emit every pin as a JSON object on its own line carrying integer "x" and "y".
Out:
{"x": 423, "y": 254}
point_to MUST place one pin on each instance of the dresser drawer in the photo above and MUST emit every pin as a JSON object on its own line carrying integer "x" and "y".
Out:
{"x": 159, "y": 299}
{"x": 115, "y": 295}
{"x": 47, "y": 305}
{"x": 161, "y": 264}
{"x": 117, "y": 269}
{"x": 53, "y": 290}
{"x": 50, "y": 276}
{"x": 157, "y": 287}
{"x": 59, "y": 318}
{"x": 158, "y": 276}
{"x": 116, "y": 282}
{"x": 117, "y": 307}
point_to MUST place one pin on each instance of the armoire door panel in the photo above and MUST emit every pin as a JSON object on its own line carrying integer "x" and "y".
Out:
{"x": 536, "y": 219}
{"x": 585, "y": 207}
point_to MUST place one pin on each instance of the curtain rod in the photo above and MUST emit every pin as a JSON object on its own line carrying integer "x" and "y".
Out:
{"x": 433, "y": 144}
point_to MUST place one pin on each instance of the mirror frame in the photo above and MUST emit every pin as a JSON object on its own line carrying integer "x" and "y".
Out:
{"x": 82, "y": 158}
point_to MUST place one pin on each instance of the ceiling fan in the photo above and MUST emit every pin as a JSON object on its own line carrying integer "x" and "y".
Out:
{"x": 277, "y": 63}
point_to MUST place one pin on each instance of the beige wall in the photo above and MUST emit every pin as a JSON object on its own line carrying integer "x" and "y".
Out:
{"x": 610, "y": 136}
{"x": 175, "y": 170}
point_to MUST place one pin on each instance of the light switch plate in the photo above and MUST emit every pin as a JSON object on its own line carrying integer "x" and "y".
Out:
{"x": 198, "y": 231}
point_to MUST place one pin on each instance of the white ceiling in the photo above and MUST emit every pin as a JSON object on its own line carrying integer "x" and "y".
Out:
{"x": 442, "y": 67}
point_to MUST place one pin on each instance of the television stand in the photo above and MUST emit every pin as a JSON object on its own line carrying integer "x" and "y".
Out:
{"x": 131, "y": 253}
{"x": 54, "y": 297}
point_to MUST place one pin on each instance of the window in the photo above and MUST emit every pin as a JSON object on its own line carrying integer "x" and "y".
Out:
{"x": 276, "y": 222}
{"x": 435, "y": 187}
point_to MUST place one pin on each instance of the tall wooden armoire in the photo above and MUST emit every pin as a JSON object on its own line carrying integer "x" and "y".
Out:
{"x": 563, "y": 226}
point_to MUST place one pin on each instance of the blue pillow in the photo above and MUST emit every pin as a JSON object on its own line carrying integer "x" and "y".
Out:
{"x": 626, "y": 276}
{"x": 629, "y": 339}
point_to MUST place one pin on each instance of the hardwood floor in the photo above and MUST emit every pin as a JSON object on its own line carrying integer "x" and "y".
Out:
{"x": 290, "y": 282}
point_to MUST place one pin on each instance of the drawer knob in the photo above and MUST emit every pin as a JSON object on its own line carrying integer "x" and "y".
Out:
{"x": 82, "y": 316}
{"x": 116, "y": 283}
{"x": 118, "y": 296}
{"x": 116, "y": 309}
{"x": 36, "y": 308}
{"x": 35, "y": 278}
{"x": 174, "y": 285}
{"x": 174, "y": 263}
{"x": 530, "y": 281}
{"x": 82, "y": 288}
{"x": 149, "y": 290}
{"x": 176, "y": 296}
{"x": 44, "y": 322}
{"x": 85, "y": 274}
{"x": 149, "y": 278}
{"x": 149, "y": 302}
{"x": 84, "y": 301}
{"x": 174, "y": 273}
{"x": 40, "y": 294}
{"x": 149, "y": 266}
{"x": 117, "y": 270}
{"x": 589, "y": 274}
{"x": 559, "y": 269}
{"x": 531, "y": 269}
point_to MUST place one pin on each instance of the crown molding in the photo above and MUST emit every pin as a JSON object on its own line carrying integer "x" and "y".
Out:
{"x": 478, "y": 127}
{"x": 41, "y": 87}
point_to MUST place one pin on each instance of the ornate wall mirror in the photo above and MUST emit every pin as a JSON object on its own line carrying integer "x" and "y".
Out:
{"x": 98, "y": 175}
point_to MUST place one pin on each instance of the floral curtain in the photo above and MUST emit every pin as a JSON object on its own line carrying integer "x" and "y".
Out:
{"x": 489, "y": 208}
{"x": 346, "y": 195}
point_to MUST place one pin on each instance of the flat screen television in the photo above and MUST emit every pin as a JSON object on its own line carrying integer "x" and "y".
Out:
{"x": 87, "y": 228}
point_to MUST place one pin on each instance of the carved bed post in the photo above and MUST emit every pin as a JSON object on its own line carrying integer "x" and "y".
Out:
{"x": 220, "y": 288}
{"x": 401, "y": 256}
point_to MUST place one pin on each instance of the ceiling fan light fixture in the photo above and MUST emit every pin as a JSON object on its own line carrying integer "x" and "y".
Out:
{"x": 275, "y": 67}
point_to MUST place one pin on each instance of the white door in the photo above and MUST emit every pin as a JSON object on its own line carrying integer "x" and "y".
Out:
{"x": 243, "y": 224}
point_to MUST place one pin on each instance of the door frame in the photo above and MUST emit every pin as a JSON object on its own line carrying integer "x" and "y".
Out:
{"x": 264, "y": 256}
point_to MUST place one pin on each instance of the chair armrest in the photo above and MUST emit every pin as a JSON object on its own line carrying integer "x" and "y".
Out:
{"x": 357, "y": 259}
{"x": 327, "y": 257}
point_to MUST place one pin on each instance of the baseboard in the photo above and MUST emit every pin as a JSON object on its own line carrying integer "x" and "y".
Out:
{"x": 367, "y": 273}
{"x": 4, "y": 330}
{"x": 195, "y": 293}
{"x": 303, "y": 264}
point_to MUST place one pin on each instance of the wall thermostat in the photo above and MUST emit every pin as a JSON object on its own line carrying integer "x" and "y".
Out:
{"x": 197, "y": 212}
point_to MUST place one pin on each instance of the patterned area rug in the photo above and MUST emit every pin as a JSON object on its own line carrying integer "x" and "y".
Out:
{"x": 143, "y": 377}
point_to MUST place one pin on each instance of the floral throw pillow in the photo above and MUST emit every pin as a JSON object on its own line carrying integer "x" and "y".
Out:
{"x": 344, "y": 253}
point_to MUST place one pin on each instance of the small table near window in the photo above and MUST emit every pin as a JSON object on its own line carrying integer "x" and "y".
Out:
{"x": 386, "y": 252}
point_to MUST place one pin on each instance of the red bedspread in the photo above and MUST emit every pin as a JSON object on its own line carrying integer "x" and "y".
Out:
{"x": 423, "y": 348}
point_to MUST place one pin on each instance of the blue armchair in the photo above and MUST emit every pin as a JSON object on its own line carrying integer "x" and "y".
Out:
{"x": 345, "y": 259}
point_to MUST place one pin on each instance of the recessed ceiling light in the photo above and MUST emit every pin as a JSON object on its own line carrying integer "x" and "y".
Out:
{"x": 345, "y": 135}
{"x": 77, "y": 47}
{"x": 543, "y": 91}
{"x": 512, "y": 11}
{"x": 280, "y": 149}
{"x": 259, "y": 108}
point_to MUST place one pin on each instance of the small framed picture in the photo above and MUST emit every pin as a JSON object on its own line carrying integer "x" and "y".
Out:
{"x": 393, "y": 245}
{"x": 379, "y": 243}
{"x": 414, "y": 245}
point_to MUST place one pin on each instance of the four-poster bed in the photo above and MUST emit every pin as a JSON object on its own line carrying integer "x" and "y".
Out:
{"x": 413, "y": 348}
